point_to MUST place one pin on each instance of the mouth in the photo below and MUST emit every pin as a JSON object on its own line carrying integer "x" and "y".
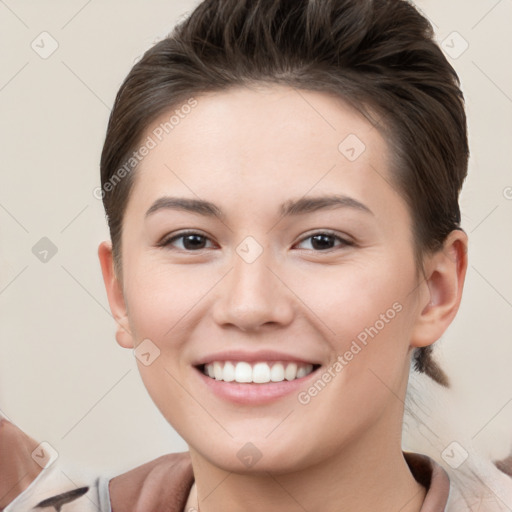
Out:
{"x": 254, "y": 378}
{"x": 260, "y": 372}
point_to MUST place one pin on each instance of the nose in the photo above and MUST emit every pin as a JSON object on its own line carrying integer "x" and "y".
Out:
{"x": 253, "y": 295}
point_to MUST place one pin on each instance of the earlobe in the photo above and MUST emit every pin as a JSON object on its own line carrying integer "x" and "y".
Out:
{"x": 443, "y": 285}
{"x": 115, "y": 295}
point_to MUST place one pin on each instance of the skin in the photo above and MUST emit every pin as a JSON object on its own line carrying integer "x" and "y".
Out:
{"x": 249, "y": 151}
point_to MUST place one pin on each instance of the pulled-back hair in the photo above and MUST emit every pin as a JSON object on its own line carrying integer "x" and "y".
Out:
{"x": 378, "y": 55}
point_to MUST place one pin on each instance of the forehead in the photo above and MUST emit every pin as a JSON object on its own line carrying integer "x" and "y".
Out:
{"x": 269, "y": 117}
{"x": 278, "y": 140}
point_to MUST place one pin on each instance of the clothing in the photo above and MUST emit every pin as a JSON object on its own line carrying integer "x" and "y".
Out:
{"x": 163, "y": 485}
{"x": 172, "y": 476}
{"x": 433, "y": 477}
{"x": 59, "y": 488}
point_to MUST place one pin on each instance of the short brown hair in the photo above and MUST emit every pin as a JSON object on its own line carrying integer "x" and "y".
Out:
{"x": 379, "y": 55}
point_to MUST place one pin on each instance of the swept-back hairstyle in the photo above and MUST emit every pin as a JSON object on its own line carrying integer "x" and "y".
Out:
{"x": 378, "y": 55}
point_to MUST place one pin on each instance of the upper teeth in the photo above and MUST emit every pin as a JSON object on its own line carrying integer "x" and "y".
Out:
{"x": 258, "y": 373}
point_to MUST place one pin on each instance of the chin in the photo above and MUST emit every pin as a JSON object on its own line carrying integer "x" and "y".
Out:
{"x": 256, "y": 457}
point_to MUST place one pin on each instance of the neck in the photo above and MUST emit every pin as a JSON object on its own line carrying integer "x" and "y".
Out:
{"x": 364, "y": 476}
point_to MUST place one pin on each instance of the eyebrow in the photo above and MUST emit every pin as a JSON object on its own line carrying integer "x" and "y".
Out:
{"x": 289, "y": 208}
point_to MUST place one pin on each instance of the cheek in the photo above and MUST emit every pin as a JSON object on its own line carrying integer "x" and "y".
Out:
{"x": 350, "y": 298}
{"x": 365, "y": 313}
{"x": 161, "y": 299}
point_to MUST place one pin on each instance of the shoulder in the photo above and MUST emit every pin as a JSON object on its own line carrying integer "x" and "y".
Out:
{"x": 160, "y": 485}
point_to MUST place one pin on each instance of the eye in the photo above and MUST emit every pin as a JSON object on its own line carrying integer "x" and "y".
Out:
{"x": 325, "y": 240}
{"x": 189, "y": 241}
{"x": 194, "y": 241}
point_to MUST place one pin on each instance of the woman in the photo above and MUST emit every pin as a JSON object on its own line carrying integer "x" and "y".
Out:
{"x": 281, "y": 183}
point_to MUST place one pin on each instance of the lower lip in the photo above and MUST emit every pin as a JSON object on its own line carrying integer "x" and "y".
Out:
{"x": 251, "y": 393}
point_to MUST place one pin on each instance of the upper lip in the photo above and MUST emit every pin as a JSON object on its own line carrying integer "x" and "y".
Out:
{"x": 252, "y": 357}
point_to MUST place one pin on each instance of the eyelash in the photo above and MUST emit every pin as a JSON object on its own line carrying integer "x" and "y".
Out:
{"x": 344, "y": 243}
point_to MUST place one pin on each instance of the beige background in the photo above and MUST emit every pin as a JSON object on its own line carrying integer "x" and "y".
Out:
{"x": 63, "y": 378}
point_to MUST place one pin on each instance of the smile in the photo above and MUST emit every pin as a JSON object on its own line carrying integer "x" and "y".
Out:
{"x": 257, "y": 373}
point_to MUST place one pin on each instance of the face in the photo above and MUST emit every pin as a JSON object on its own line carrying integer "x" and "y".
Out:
{"x": 268, "y": 270}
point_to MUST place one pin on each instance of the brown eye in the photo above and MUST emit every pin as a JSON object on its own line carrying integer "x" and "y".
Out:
{"x": 324, "y": 241}
{"x": 189, "y": 241}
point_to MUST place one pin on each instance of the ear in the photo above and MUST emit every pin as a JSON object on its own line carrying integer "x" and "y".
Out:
{"x": 115, "y": 295}
{"x": 441, "y": 292}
